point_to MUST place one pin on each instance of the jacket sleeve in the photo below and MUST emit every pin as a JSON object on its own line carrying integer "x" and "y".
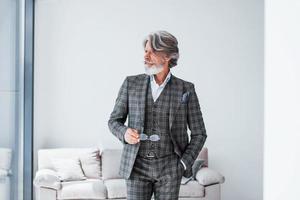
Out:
{"x": 197, "y": 127}
{"x": 119, "y": 113}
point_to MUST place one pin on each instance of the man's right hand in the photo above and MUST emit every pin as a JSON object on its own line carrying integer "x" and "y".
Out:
{"x": 131, "y": 136}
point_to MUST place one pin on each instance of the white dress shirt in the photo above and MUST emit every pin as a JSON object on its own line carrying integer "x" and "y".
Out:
{"x": 156, "y": 91}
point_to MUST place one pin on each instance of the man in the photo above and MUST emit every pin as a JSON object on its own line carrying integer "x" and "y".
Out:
{"x": 157, "y": 151}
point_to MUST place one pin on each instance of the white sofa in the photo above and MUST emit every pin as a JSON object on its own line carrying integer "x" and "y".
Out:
{"x": 107, "y": 184}
{"x": 5, "y": 173}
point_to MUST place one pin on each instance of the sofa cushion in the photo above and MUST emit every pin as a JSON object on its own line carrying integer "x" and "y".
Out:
{"x": 111, "y": 159}
{"x": 116, "y": 188}
{"x": 68, "y": 169}
{"x": 191, "y": 189}
{"x": 91, "y": 163}
{"x": 185, "y": 180}
{"x": 89, "y": 157}
{"x": 86, "y": 189}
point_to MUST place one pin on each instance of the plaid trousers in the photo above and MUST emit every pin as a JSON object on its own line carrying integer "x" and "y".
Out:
{"x": 160, "y": 177}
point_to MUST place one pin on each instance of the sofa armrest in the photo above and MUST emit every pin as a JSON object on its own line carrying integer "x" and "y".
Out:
{"x": 3, "y": 173}
{"x": 206, "y": 176}
{"x": 47, "y": 178}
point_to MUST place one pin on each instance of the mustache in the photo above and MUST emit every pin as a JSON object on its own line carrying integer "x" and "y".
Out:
{"x": 147, "y": 62}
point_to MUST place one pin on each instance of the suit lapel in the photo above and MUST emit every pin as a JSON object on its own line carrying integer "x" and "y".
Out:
{"x": 142, "y": 98}
{"x": 176, "y": 89}
{"x": 176, "y": 94}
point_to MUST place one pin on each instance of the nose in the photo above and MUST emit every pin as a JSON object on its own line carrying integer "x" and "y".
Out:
{"x": 146, "y": 55}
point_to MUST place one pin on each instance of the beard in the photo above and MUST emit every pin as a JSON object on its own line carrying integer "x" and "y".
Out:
{"x": 154, "y": 69}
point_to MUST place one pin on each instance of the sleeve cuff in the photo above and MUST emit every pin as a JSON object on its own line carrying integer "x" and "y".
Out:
{"x": 183, "y": 164}
{"x": 124, "y": 139}
{"x": 123, "y": 131}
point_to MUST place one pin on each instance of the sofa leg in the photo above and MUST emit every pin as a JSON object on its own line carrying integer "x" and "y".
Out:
{"x": 45, "y": 193}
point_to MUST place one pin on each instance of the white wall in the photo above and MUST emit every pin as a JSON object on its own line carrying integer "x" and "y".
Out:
{"x": 85, "y": 48}
{"x": 282, "y": 97}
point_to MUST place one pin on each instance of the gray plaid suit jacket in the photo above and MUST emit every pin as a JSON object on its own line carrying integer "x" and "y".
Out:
{"x": 184, "y": 112}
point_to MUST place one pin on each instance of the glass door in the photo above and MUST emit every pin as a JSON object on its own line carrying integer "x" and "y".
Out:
{"x": 12, "y": 101}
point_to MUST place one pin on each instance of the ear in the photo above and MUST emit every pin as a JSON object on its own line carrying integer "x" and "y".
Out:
{"x": 167, "y": 58}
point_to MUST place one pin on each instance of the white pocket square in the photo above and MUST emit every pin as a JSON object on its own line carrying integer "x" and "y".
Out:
{"x": 185, "y": 97}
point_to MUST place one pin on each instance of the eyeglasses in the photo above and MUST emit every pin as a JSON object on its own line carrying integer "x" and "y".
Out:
{"x": 152, "y": 138}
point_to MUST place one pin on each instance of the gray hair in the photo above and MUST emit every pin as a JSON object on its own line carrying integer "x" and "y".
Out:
{"x": 163, "y": 41}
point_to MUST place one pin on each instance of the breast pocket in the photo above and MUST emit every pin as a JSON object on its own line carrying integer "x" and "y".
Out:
{"x": 183, "y": 107}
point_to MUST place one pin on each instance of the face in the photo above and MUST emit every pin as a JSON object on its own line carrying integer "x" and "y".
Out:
{"x": 152, "y": 58}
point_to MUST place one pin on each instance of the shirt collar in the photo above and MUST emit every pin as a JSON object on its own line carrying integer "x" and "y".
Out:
{"x": 165, "y": 81}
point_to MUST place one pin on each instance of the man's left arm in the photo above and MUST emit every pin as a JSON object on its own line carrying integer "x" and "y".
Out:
{"x": 197, "y": 127}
